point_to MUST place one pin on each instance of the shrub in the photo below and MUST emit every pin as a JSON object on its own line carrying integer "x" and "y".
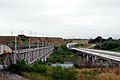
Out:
{"x": 108, "y": 45}
{"x": 59, "y": 73}
{"x": 34, "y": 76}
{"x": 38, "y": 68}
{"x": 22, "y": 66}
{"x": 18, "y": 67}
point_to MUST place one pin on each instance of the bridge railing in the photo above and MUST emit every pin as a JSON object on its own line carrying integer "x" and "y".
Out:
{"x": 24, "y": 51}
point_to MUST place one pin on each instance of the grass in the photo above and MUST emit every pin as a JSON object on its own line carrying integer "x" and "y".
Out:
{"x": 2, "y": 78}
{"x": 35, "y": 76}
{"x": 99, "y": 73}
{"x": 83, "y": 43}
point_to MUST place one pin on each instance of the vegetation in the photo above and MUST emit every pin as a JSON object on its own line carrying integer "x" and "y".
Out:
{"x": 42, "y": 71}
{"x": 61, "y": 54}
{"x": 106, "y": 44}
{"x": 99, "y": 74}
{"x": 59, "y": 73}
{"x": 21, "y": 66}
{"x": 96, "y": 40}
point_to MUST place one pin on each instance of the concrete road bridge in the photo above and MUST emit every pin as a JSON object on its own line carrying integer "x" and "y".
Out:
{"x": 98, "y": 57}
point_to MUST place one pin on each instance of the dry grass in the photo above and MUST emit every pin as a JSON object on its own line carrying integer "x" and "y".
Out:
{"x": 108, "y": 76}
{"x": 2, "y": 78}
{"x": 99, "y": 74}
{"x": 83, "y": 43}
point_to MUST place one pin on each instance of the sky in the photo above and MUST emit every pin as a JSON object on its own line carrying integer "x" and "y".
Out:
{"x": 60, "y": 18}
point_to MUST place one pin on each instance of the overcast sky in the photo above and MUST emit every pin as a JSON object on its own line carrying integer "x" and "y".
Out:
{"x": 64, "y": 18}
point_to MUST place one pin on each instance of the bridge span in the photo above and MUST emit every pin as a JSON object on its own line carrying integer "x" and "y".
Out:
{"x": 29, "y": 54}
{"x": 101, "y": 57}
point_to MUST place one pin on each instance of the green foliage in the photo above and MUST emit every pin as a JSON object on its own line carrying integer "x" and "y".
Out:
{"x": 67, "y": 56}
{"x": 59, "y": 73}
{"x": 23, "y": 37}
{"x": 18, "y": 67}
{"x": 22, "y": 66}
{"x": 64, "y": 47}
{"x": 108, "y": 45}
{"x": 34, "y": 76}
{"x": 116, "y": 49}
{"x": 98, "y": 46}
{"x": 96, "y": 40}
{"x": 38, "y": 68}
{"x": 62, "y": 54}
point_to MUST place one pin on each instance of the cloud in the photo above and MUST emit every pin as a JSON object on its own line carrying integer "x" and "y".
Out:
{"x": 61, "y": 16}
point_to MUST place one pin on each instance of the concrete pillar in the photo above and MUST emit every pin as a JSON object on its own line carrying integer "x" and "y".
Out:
{"x": 93, "y": 60}
{"x": 42, "y": 59}
{"x": 26, "y": 57}
{"x": 96, "y": 58}
{"x": 14, "y": 57}
{"x": 101, "y": 62}
{"x": 83, "y": 54}
{"x": 119, "y": 64}
{"x": 45, "y": 58}
{"x": 110, "y": 62}
{"x": 87, "y": 57}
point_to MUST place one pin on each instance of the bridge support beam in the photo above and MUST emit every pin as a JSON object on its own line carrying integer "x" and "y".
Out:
{"x": 45, "y": 58}
{"x": 87, "y": 57}
{"x": 14, "y": 58}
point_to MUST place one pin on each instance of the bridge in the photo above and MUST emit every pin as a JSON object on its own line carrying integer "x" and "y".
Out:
{"x": 98, "y": 57}
{"x": 28, "y": 53}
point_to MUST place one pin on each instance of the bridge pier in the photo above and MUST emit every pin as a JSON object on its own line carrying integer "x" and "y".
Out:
{"x": 42, "y": 59}
{"x": 14, "y": 57}
{"x": 87, "y": 58}
{"x": 45, "y": 58}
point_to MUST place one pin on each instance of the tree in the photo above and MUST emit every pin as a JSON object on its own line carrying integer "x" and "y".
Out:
{"x": 91, "y": 41}
{"x": 64, "y": 47}
{"x": 108, "y": 45}
{"x": 98, "y": 39}
{"x": 110, "y": 39}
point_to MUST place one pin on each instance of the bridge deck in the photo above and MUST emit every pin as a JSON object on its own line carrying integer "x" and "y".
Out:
{"x": 106, "y": 54}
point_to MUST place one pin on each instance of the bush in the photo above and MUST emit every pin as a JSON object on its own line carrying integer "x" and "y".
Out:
{"x": 18, "y": 67}
{"x": 116, "y": 49}
{"x": 38, "y": 68}
{"x": 21, "y": 66}
{"x": 59, "y": 73}
{"x": 108, "y": 45}
{"x": 98, "y": 46}
{"x": 34, "y": 76}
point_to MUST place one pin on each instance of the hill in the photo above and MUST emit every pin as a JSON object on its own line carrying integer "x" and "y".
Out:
{"x": 50, "y": 40}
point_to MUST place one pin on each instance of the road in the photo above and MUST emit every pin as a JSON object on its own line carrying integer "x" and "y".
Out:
{"x": 106, "y": 54}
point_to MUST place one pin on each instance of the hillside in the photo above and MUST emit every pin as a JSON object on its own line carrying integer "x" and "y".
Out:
{"x": 50, "y": 40}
